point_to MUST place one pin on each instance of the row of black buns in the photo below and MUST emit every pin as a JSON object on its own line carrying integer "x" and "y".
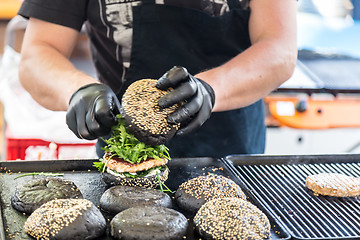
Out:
{"x": 57, "y": 210}
{"x": 218, "y": 206}
{"x": 142, "y": 213}
{"x": 221, "y": 210}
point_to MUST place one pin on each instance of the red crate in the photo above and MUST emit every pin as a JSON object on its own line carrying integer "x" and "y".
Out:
{"x": 16, "y": 147}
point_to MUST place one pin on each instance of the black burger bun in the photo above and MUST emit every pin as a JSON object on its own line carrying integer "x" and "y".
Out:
{"x": 119, "y": 198}
{"x": 148, "y": 223}
{"x": 231, "y": 218}
{"x": 145, "y": 182}
{"x": 143, "y": 116}
{"x": 192, "y": 194}
{"x": 64, "y": 219}
{"x": 32, "y": 195}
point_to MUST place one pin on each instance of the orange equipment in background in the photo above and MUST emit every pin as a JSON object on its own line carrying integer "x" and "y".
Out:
{"x": 312, "y": 113}
{"x": 9, "y": 8}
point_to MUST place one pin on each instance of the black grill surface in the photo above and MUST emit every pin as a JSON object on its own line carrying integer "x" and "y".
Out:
{"x": 88, "y": 179}
{"x": 278, "y": 184}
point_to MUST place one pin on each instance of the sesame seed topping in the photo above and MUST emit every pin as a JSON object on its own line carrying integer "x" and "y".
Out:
{"x": 46, "y": 221}
{"x": 231, "y": 218}
{"x": 212, "y": 186}
{"x": 140, "y": 102}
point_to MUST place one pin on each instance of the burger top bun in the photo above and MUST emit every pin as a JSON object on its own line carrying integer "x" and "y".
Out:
{"x": 143, "y": 116}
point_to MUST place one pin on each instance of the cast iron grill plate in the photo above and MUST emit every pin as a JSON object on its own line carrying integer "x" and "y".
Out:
{"x": 278, "y": 184}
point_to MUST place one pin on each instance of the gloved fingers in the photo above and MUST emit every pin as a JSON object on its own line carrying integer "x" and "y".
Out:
{"x": 186, "y": 111}
{"x": 172, "y": 78}
{"x": 101, "y": 117}
{"x": 197, "y": 122}
{"x": 209, "y": 90}
{"x": 92, "y": 125}
{"x": 71, "y": 122}
{"x": 203, "y": 114}
{"x": 106, "y": 111}
{"x": 82, "y": 130}
{"x": 179, "y": 94}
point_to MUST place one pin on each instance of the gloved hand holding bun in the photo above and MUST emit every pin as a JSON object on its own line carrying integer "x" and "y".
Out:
{"x": 199, "y": 98}
{"x": 142, "y": 115}
{"x": 92, "y": 111}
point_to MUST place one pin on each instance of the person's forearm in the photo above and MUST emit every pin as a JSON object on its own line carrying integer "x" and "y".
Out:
{"x": 265, "y": 65}
{"x": 50, "y": 77}
{"x": 251, "y": 75}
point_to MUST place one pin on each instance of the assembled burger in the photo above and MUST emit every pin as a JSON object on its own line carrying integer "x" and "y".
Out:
{"x": 135, "y": 154}
{"x": 129, "y": 162}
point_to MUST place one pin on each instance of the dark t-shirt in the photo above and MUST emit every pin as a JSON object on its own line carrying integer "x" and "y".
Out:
{"x": 109, "y": 26}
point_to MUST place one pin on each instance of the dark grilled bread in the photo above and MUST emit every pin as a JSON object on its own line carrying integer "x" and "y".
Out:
{"x": 143, "y": 116}
{"x": 119, "y": 198}
{"x": 231, "y": 218}
{"x": 64, "y": 219}
{"x": 148, "y": 223}
{"x": 192, "y": 194}
{"x": 32, "y": 195}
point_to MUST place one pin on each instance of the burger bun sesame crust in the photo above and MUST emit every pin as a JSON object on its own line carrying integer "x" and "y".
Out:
{"x": 148, "y": 223}
{"x": 64, "y": 219}
{"x": 192, "y": 194}
{"x": 32, "y": 195}
{"x": 231, "y": 218}
{"x": 144, "y": 182}
{"x": 142, "y": 115}
{"x": 119, "y": 198}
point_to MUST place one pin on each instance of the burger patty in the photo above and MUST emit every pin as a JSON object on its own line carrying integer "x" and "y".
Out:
{"x": 119, "y": 165}
{"x": 334, "y": 184}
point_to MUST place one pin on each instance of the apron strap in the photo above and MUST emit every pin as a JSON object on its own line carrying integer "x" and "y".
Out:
{"x": 235, "y": 3}
{"x": 148, "y": 1}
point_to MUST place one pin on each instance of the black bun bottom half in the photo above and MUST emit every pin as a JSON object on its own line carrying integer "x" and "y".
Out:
{"x": 192, "y": 194}
{"x": 119, "y": 198}
{"x": 64, "y": 219}
{"x": 32, "y": 195}
{"x": 231, "y": 218}
{"x": 145, "y": 182}
{"x": 143, "y": 116}
{"x": 148, "y": 223}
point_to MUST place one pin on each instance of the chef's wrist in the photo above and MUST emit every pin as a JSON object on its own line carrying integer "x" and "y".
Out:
{"x": 76, "y": 86}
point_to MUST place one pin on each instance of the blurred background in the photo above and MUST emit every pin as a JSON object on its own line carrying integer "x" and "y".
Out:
{"x": 316, "y": 111}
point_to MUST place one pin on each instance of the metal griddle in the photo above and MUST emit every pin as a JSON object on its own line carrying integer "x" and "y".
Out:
{"x": 88, "y": 179}
{"x": 278, "y": 184}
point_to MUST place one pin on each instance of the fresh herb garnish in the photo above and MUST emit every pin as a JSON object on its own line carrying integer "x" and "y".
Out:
{"x": 162, "y": 184}
{"x": 124, "y": 145}
{"x": 40, "y": 173}
{"x": 100, "y": 165}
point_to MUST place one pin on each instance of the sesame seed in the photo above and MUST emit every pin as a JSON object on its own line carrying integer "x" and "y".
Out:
{"x": 140, "y": 102}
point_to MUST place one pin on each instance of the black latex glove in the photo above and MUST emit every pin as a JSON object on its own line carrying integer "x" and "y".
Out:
{"x": 199, "y": 99}
{"x": 92, "y": 111}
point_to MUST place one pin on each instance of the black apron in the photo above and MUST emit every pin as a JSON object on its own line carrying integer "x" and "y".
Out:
{"x": 165, "y": 36}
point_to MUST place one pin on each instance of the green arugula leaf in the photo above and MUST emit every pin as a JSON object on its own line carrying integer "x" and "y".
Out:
{"x": 40, "y": 173}
{"x": 124, "y": 145}
{"x": 99, "y": 165}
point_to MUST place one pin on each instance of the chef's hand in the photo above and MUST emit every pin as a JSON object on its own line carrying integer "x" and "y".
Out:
{"x": 92, "y": 111}
{"x": 199, "y": 98}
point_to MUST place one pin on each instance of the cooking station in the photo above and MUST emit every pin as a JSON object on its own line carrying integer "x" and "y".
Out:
{"x": 275, "y": 184}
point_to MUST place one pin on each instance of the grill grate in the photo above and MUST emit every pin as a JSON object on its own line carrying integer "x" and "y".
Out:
{"x": 280, "y": 188}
